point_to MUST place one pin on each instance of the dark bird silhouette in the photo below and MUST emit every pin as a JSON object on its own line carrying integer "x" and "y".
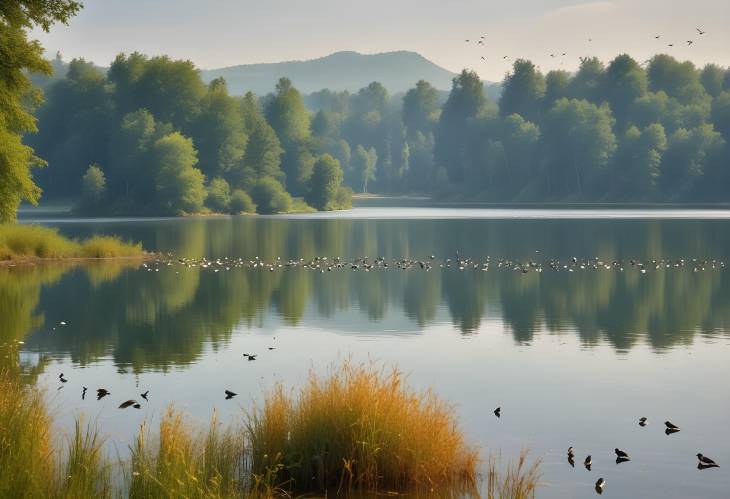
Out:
{"x": 83, "y": 393}
{"x": 467, "y": 41}
{"x": 706, "y": 461}
{"x": 621, "y": 454}
{"x": 571, "y": 461}
{"x": 63, "y": 380}
{"x": 670, "y": 45}
{"x": 701, "y": 466}
{"x": 130, "y": 403}
{"x": 599, "y": 486}
{"x": 272, "y": 348}
{"x": 570, "y": 451}
{"x": 700, "y": 31}
{"x": 480, "y": 42}
{"x": 498, "y": 412}
{"x": 642, "y": 421}
{"x": 671, "y": 426}
{"x": 144, "y": 395}
{"x": 669, "y": 431}
{"x": 689, "y": 42}
{"x": 588, "y": 462}
{"x": 230, "y": 394}
{"x": 101, "y": 393}
{"x": 483, "y": 60}
{"x": 657, "y": 37}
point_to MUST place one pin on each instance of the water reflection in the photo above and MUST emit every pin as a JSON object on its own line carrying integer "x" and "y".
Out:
{"x": 157, "y": 320}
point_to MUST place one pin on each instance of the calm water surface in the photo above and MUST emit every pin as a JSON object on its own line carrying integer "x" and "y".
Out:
{"x": 573, "y": 358}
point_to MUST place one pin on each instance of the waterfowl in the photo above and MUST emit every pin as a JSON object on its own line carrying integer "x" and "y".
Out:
{"x": 144, "y": 395}
{"x": 63, "y": 380}
{"x": 707, "y": 461}
{"x": 588, "y": 462}
{"x": 671, "y": 426}
{"x": 129, "y": 403}
{"x": 101, "y": 393}
{"x": 621, "y": 454}
{"x": 230, "y": 394}
{"x": 570, "y": 451}
{"x": 599, "y": 485}
{"x": 498, "y": 412}
{"x": 642, "y": 421}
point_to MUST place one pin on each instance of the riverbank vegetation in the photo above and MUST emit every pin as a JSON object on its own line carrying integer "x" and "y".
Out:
{"x": 359, "y": 429}
{"x": 33, "y": 242}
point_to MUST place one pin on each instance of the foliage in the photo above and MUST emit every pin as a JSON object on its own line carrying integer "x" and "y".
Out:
{"x": 270, "y": 197}
{"x": 93, "y": 185}
{"x": 179, "y": 185}
{"x": 325, "y": 183}
{"x": 241, "y": 202}
{"x": 219, "y": 195}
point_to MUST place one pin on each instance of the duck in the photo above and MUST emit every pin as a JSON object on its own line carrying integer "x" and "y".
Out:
{"x": 230, "y": 394}
{"x": 101, "y": 393}
{"x": 706, "y": 461}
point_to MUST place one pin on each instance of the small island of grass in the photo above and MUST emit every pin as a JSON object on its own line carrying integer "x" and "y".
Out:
{"x": 29, "y": 243}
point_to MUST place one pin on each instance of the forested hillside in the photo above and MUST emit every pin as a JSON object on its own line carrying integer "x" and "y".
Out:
{"x": 162, "y": 141}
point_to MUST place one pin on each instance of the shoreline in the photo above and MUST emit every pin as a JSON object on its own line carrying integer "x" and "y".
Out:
{"x": 35, "y": 260}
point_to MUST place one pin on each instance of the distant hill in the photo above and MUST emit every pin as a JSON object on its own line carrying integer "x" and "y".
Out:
{"x": 397, "y": 71}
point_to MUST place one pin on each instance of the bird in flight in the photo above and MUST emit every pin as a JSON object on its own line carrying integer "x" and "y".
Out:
{"x": 657, "y": 37}
{"x": 700, "y": 31}
{"x": 706, "y": 461}
{"x": 689, "y": 42}
{"x": 670, "y": 45}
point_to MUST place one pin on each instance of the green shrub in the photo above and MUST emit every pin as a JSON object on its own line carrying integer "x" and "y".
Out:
{"x": 219, "y": 195}
{"x": 241, "y": 202}
{"x": 270, "y": 197}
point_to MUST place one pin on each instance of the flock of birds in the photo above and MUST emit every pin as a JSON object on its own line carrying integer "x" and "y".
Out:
{"x": 324, "y": 264}
{"x": 481, "y": 41}
{"x": 703, "y": 462}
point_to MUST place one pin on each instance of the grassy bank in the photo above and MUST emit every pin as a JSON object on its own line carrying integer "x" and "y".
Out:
{"x": 357, "y": 430}
{"x": 33, "y": 242}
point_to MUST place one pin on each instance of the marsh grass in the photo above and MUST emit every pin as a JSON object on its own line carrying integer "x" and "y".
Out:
{"x": 519, "y": 481}
{"x": 179, "y": 463}
{"x": 33, "y": 242}
{"x": 87, "y": 471}
{"x": 359, "y": 428}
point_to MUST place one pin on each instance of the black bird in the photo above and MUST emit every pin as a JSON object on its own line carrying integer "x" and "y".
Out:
{"x": 571, "y": 461}
{"x": 621, "y": 454}
{"x": 230, "y": 394}
{"x": 588, "y": 462}
{"x": 642, "y": 421}
{"x": 570, "y": 451}
{"x": 272, "y": 348}
{"x": 498, "y": 412}
{"x": 130, "y": 403}
{"x": 144, "y": 395}
{"x": 706, "y": 461}
{"x": 83, "y": 393}
{"x": 700, "y": 31}
{"x": 689, "y": 42}
{"x": 101, "y": 393}
{"x": 671, "y": 45}
{"x": 599, "y": 486}
{"x": 63, "y": 380}
{"x": 671, "y": 426}
{"x": 483, "y": 60}
{"x": 657, "y": 37}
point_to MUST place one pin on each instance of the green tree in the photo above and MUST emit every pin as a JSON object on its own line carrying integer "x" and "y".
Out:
{"x": 180, "y": 187}
{"x": 17, "y": 97}
{"x": 557, "y": 86}
{"x": 263, "y": 150}
{"x": 93, "y": 186}
{"x": 364, "y": 163}
{"x": 420, "y": 109}
{"x": 520, "y": 141}
{"x": 579, "y": 142}
{"x": 637, "y": 163}
{"x": 219, "y": 195}
{"x": 588, "y": 82}
{"x": 270, "y": 197}
{"x": 690, "y": 155}
{"x": 522, "y": 91}
{"x": 241, "y": 202}
{"x": 465, "y": 102}
{"x": 679, "y": 80}
{"x": 625, "y": 82}
{"x": 721, "y": 114}
{"x": 712, "y": 78}
{"x": 324, "y": 183}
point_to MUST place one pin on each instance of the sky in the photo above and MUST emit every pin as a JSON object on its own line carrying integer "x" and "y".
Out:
{"x": 217, "y": 33}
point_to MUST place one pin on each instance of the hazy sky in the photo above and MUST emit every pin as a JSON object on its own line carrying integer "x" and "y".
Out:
{"x": 215, "y": 33}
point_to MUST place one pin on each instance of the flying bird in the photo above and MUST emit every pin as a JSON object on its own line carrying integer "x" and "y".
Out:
{"x": 670, "y": 45}
{"x": 657, "y": 37}
{"x": 63, "y": 380}
{"x": 588, "y": 462}
{"x": 670, "y": 425}
{"x": 570, "y": 451}
{"x": 642, "y": 421}
{"x": 689, "y": 42}
{"x": 83, "y": 393}
{"x": 621, "y": 454}
{"x": 700, "y": 31}
{"x": 498, "y": 412}
{"x": 599, "y": 485}
{"x": 101, "y": 393}
{"x": 144, "y": 395}
{"x": 230, "y": 394}
{"x": 130, "y": 403}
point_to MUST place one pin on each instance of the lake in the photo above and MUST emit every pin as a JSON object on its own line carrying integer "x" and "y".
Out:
{"x": 549, "y": 320}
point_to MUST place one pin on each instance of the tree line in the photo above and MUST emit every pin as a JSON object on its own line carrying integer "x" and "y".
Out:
{"x": 166, "y": 143}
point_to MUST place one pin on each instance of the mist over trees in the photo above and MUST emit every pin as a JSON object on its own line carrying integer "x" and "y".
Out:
{"x": 164, "y": 142}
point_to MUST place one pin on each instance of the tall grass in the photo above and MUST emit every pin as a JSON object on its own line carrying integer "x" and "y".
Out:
{"x": 181, "y": 464}
{"x": 33, "y": 241}
{"x": 519, "y": 481}
{"x": 360, "y": 428}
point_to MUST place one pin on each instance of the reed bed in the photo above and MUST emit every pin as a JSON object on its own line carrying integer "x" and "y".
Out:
{"x": 358, "y": 431}
{"x": 359, "y": 428}
{"x": 18, "y": 242}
